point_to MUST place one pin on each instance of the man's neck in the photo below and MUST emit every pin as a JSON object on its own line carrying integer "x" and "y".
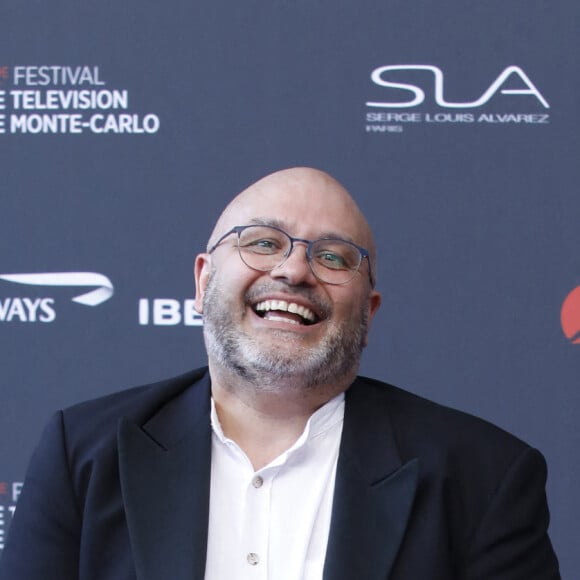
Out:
{"x": 266, "y": 422}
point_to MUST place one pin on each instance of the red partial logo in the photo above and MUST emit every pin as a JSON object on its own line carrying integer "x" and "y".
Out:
{"x": 570, "y": 316}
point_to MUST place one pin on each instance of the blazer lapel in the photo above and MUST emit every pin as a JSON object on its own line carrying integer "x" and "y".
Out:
{"x": 165, "y": 469}
{"x": 373, "y": 492}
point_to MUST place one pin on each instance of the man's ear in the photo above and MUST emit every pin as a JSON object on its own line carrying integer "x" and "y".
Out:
{"x": 375, "y": 300}
{"x": 202, "y": 271}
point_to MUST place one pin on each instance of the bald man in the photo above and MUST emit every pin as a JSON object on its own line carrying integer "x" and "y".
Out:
{"x": 277, "y": 462}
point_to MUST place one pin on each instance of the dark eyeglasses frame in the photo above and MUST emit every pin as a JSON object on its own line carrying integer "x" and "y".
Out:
{"x": 239, "y": 229}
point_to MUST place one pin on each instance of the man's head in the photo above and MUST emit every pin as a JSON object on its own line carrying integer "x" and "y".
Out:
{"x": 280, "y": 324}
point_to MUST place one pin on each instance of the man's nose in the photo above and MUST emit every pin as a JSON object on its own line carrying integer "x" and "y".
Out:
{"x": 295, "y": 269}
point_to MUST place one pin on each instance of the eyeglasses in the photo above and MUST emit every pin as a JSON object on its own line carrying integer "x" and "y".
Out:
{"x": 332, "y": 260}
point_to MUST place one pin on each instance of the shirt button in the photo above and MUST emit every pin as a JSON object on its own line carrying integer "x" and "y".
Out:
{"x": 257, "y": 481}
{"x": 253, "y": 559}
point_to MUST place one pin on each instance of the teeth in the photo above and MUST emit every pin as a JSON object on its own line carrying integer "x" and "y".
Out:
{"x": 291, "y": 307}
{"x": 280, "y": 319}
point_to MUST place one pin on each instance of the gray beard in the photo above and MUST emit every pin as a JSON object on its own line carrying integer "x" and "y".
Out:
{"x": 269, "y": 367}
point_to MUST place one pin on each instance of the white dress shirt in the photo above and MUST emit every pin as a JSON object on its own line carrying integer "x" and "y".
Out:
{"x": 273, "y": 524}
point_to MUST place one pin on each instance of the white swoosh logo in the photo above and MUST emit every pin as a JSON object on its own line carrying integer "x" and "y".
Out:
{"x": 102, "y": 293}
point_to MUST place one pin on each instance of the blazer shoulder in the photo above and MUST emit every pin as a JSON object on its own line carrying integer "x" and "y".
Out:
{"x": 93, "y": 424}
{"x": 422, "y": 424}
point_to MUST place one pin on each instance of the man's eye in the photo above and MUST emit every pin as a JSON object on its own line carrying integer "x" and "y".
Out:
{"x": 331, "y": 260}
{"x": 263, "y": 246}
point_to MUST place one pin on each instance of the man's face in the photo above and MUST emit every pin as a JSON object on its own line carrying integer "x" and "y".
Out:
{"x": 286, "y": 324}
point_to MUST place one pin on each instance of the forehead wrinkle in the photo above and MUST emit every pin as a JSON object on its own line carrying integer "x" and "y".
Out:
{"x": 263, "y": 221}
{"x": 281, "y": 224}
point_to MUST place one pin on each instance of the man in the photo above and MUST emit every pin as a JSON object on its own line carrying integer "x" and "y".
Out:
{"x": 278, "y": 462}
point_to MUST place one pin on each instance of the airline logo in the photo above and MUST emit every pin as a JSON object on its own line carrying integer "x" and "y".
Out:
{"x": 570, "y": 316}
{"x": 168, "y": 312}
{"x": 41, "y": 309}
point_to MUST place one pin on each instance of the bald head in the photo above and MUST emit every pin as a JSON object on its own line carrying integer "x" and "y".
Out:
{"x": 299, "y": 199}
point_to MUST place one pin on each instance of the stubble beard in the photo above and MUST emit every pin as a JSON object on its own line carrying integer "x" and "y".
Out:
{"x": 283, "y": 360}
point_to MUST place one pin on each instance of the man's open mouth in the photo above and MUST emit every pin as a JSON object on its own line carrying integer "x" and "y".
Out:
{"x": 283, "y": 311}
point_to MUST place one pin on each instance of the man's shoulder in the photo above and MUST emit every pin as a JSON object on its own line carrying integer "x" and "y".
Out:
{"x": 97, "y": 419}
{"x": 420, "y": 424}
{"x": 137, "y": 401}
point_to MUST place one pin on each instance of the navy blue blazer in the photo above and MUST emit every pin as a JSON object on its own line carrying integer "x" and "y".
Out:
{"x": 118, "y": 489}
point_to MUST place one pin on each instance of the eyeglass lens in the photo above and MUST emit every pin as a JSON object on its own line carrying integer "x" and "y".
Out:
{"x": 264, "y": 248}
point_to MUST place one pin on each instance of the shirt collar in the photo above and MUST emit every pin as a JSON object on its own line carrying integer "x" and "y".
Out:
{"x": 323, "y": 419}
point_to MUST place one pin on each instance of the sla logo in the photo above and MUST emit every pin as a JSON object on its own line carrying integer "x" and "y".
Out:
{"x": 570, "y": 316}
{"x": 380, "y": 75}
{"x": 42, "y": 309}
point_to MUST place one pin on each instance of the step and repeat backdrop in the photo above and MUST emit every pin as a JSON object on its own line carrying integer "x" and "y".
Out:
{"x": 125, "y": 127}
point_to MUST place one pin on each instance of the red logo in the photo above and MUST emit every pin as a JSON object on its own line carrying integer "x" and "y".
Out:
{"x": 570, "y": 316}
{"x": 4, "y": 73}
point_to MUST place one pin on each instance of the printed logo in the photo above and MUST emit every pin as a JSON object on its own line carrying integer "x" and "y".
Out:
{"x": 570, "y": 316}
{"x": 64, "y": 99}
{"x": 9, "y": 493}
{"x": 27, "y": 309}
{"x": 168, "y": 312}
{"x": 401, "y": 98}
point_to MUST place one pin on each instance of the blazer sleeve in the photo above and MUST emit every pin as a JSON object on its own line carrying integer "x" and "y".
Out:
{"x": 43, "y": 539}
{"x": 511, "y": 542}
